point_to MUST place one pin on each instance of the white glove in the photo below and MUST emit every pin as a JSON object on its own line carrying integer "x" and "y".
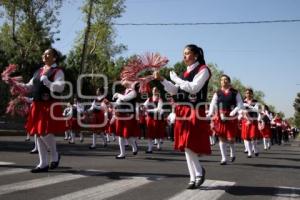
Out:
{"x": 28, "y": 100}
{"x": 45, "y": 80}
{"x": 208, "y": 116}
{"x": 116, "y": 96}
{"x": 175, "y": 78}
{"x": 232, "y": 113}
{"x": 44, "y": 77}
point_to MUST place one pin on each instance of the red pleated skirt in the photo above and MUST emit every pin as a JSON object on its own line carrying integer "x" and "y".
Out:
{"x": 40, "y": 120}
{"x": 112, "y": 127}
{"x": 227, "y": 129}
{"x": 266, "y": 132}
{"x": 98, "y": 122}
{"x": 250, "y": 131}
{"x": 74, "y": 124}
{"x": 155, "y": 128}
{"x": 191, "y": 132}
{"x": 127, "y": 128}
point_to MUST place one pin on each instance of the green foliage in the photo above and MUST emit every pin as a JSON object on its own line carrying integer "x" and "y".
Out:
{"x": 179, "y": 68}
{"x": 29, "y": 28}
{"x": 291, "y": 121}
{"x": 297, "y": 110}
{"x": 100, "y": 46}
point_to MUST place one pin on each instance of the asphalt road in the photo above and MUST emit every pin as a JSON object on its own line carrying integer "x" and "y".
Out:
{"x": 96, "y": 174}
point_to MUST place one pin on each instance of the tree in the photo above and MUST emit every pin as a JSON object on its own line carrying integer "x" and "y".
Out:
{"x": 291, "y": 121}
{"x": 297, "y": 110}
{"x": 29, "y": 29}
{"x": 99, "y": 43}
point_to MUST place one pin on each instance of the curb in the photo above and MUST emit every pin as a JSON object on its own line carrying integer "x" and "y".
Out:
{"x": 4, "y": 132}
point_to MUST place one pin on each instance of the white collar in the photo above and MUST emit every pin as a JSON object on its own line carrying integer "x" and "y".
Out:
{"x": 192, "y": 67}
{"x": 54, "y": 65}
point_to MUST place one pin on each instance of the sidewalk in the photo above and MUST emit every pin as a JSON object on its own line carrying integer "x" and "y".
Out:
{"x": 10, "y": 132}
{"x": 11, "y": 128}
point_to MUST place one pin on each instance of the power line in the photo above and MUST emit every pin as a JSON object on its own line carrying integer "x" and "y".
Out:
{"x": 209, "y": 23}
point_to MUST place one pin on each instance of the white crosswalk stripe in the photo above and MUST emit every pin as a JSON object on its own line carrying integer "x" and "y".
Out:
{"x": 106, "y": 190}
{"x": 287, "y": 193}
{"x": 13, "y": 171}
{"x": 211, "y": 189}
{"x": 35, "y": 183}
{"x": 6, "y": 163}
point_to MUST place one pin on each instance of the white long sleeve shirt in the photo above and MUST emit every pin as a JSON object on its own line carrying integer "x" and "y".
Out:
{"x": 158, "y": 109}
{"x": 213, "y": 105}
{"x": 129, "y": 95}
{"x": 192, "y": 87}
{"x": 97, "y": 106}
{"x": 57, "y": 85}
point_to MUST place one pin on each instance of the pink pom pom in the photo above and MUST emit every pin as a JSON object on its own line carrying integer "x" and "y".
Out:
{"x": 137, "y": 66}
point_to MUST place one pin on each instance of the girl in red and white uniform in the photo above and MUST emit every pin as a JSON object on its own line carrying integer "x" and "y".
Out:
{"x": 99, "y": 118}
{"x": 171, "y": 121}
{"x": 66, "y": 113}
{"x": 46, "y": 84}
{"x": 190, "y": 94}
{"x": 265, "y": 126}
{"x": 250, "y": 132}
{"x": 75, "y": 110}
{"x": 125, "y": 114}
{"x": 225, "y": 105}
{"x": 154, "y": 120}
{"x": 35, "y": 149}
{"x": 110, "y": 128}
{"x": 142, "y": 120}
{"x": 278, "y": 128}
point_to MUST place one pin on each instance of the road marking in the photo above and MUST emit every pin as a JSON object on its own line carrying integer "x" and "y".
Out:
{"x": 13, "y": 171}
{"x": 285, "y": 193}
{"x": 106, "y": 190}
{"x": 6, "y": 163}
{"x": 35, "y": 183}
{"x": 211, "y": 189}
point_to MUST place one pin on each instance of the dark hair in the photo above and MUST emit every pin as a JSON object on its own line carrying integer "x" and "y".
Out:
{"x": 56, "y": 54}
{"x": 267, "y": 108}
{"x": 249, "y": 90}
{"x": 101, "y": 90}
{"x": 197, "y": 51}
{"x": 225, "y": 75}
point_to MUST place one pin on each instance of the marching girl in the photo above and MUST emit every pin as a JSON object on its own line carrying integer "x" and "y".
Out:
{"x": 286, "y": 129}
{"x": 47, "y": 80}
{"x": 75, "y": 110}
{"x": 125, "y": 112}
{"x": 66, "y": 113}
{"x": 110, "y": 127}
{"x": 250, "y": 132}
{"x": 278, "y": 128}
{"x": 226, "y": 103}
{"x": 212, "y": 136}
{"x": 171, "y": 121}
{"x": 190, "y": 92}
{"x": 265, "y": 126}
{"x": 154, "y": 120}
{"x": 142, "y": 120}
{"x": 35, "y": 149}
{"x": 97, "y": 112}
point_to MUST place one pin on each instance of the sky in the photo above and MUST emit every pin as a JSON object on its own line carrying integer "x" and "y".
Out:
{"x": 265, "y": 57}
